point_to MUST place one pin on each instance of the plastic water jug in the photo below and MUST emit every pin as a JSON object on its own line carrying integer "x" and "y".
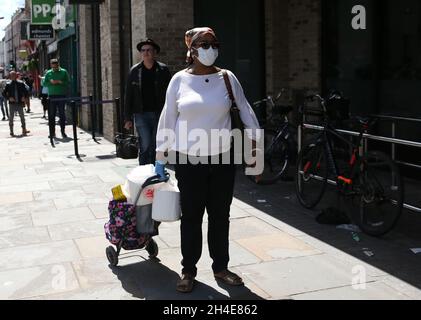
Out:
{"x": 166, "y": 203}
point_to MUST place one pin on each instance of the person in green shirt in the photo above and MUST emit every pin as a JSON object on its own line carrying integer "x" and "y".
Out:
{"x": 57, "y": 81}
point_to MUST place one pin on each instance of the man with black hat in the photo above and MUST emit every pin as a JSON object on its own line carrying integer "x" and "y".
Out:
{"x": 146, "y": 89}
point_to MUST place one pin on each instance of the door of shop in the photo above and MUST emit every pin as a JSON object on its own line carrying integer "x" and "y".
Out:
{"x": 239, "y": 26}
{"x": 68, "y": 60}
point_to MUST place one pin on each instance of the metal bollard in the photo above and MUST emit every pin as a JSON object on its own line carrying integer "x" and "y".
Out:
{"x": 119, "y": 123}
{"x": 51, "y": 123}
{"x": 75, "y": 139}
{"x": 92, "y": 107}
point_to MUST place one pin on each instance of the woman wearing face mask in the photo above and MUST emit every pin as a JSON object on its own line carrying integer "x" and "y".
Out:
{"x": 197, "y": 98}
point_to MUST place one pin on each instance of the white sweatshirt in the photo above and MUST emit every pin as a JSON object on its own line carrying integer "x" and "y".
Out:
{"x": 201, "y": 102}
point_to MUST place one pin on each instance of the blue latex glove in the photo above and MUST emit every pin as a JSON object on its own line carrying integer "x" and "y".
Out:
{"x": 160, "y": 169}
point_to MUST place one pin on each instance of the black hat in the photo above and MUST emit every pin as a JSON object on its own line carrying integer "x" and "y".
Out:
{"x": 150, "y": 42}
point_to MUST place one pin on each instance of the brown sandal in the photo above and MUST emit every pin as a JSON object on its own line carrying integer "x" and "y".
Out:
{"x": 229, "y": 278}
{"x": 186, "y": 283}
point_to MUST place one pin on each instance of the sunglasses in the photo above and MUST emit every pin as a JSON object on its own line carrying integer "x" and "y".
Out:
{"x": 206, "y": 45}
{"x": 147, "y": 50}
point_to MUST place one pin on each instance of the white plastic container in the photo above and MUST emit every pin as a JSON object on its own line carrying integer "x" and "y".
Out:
{"x": 166, "y": 203}
{"x": 134, "y": 181}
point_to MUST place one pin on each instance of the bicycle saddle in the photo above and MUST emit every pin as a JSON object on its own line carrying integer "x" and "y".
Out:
{"x": 365, "y": 122}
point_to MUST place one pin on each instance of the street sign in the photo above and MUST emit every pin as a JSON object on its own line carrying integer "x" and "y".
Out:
{"x": 58, "y": 13}
{"x": 42, "y": 11}
{"x": 40, "y": 32}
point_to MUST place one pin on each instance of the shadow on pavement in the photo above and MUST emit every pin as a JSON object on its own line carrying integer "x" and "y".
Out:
{"x": 152, "y": 280}
{"x": 392, "y": 252}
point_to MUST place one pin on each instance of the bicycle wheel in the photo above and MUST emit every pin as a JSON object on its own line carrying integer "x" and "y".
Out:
{"x": 312, "y": 173}
{"x": 276, "y": 159}
{"x": 381, "y": 194}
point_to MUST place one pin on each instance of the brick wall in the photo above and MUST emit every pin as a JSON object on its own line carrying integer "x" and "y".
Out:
{"x": 293, "y": 44}
{"x": 85, "y": 59}
{"x": 277, "y": 49}
{"x": 110, "y": 59}
{"x": 138, "y": 26}
{"x": 304, "y": 29}
{"x": 165, "y": 21}
{"x": 293, "y": 50}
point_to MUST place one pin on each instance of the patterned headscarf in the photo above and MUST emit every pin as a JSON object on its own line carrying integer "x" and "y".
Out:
{"x": 193, "y": 35}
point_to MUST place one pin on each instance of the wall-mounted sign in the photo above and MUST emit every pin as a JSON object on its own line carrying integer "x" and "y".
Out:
{"x": 23, "y": 54}
{"x": 40, "y": 32}
{"x": 42, "y": 11}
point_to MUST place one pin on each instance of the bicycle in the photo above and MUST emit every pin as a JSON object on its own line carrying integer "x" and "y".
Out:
{"x": 372, "y": 178}
{"x": 278, "y": 149}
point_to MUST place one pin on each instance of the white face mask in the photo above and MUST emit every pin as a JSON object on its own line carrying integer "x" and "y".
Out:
{"x": 207, "y": 57}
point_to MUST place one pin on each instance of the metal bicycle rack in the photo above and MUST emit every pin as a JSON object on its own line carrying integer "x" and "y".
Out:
{"x": 392, "y": 140}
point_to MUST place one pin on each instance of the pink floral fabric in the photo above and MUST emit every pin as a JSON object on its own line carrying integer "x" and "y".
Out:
{"x": 122, "y": 226}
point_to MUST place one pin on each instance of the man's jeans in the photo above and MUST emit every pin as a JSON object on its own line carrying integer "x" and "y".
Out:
{"x": 52, "y": 111}
{"x": 3, "y": 103}
{"x": 146, "y": 126}
{"x": 13, "y": 109}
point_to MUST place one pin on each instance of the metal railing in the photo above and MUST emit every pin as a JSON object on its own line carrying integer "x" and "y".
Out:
{"x": 392, "y": 140}
{"x": 75, "y": 102}
{"x": 393, "y": 120}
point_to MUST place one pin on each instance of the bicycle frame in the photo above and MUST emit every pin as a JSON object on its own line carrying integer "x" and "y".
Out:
{"x": 325, "y": 138}
{"x": 283, "y": 130}
{"x": 281, "y": 133}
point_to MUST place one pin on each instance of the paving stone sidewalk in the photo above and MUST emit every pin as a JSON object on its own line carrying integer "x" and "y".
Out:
{"x": 52, "y": 243}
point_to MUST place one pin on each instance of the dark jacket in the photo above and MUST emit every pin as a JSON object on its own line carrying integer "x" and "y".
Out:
{"x": 133, "y": 102}
{"x": 9, "y": 91}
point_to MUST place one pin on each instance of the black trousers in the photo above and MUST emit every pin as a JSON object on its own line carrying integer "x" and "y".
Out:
{"x": 44, "y": 101}
{"x": 53, "y": 107}
{"x": 210, "y": 187}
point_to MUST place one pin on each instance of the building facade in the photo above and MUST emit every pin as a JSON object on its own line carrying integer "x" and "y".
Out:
{"x": 108, "y": 34}
{"x": 2, "y": 55}
{"x": 367, "y": 50}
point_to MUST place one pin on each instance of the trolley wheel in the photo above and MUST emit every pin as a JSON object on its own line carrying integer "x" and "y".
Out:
{"x": 152, "y": 249}
{"x": 112, "y": 256}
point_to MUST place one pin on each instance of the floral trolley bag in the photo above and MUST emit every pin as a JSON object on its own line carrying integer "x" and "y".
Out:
{"x": 126, "y": 220}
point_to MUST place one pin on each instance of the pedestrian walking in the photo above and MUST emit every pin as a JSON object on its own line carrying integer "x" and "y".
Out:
{"x": 57, "y": 82}
{"x": 197, "y": 98}
{"x": 20, "y": 77}
{"x": 44, "y": 95}
{"x": 30, "y": 83}
{"x": 3, "y": 101}
{"x": 17, "y": 94}
{"x": 146, "y": 87}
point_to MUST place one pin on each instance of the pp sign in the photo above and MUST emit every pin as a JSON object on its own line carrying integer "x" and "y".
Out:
{"x": 42, "y": 11}
{"x": 52, "y": 12}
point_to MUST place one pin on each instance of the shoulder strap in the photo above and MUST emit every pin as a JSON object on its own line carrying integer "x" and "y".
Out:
{"x": 228, "y": 85}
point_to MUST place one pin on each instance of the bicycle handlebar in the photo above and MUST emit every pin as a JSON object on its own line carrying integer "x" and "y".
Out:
{"x": 270, "y": 99}
{"x": 259, "y": 102}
